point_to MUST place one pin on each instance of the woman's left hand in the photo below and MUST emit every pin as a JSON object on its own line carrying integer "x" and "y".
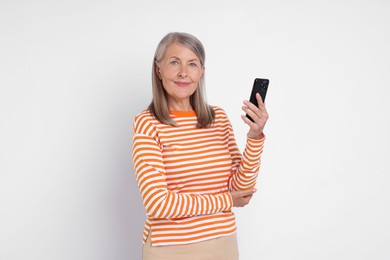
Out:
{"x": 258, "y": 114}
{"x": 241, "y": 198}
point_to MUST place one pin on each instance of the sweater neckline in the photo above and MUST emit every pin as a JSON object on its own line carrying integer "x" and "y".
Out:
{"x": 182, "y": 113}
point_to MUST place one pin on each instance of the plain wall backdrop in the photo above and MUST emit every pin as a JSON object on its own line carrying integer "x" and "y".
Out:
{"x": 73, "y": 74}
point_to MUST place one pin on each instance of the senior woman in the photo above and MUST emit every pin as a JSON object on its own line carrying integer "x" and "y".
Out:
{"x": 189, "y": 169}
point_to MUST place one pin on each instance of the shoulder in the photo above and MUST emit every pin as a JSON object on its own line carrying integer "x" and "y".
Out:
{"x": 142, "y": 117}
{"x": 145, "y": 114}
{"x": 144, "y": 122}
{"x": 219, "y": 112}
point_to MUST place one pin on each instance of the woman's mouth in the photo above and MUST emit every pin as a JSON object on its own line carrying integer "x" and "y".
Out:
{"x": 182, "y": 84}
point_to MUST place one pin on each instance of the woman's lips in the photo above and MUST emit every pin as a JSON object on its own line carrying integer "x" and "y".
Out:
{"x": 182, "y": 84}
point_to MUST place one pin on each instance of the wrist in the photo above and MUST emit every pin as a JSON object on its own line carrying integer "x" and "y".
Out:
{"x": 256, "y": 136}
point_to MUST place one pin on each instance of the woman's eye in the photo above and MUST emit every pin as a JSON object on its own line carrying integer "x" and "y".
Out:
{"x": 192, "y": 64}
{"x": 174, "y": 62}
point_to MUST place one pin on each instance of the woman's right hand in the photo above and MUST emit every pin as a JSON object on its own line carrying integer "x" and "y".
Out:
{"x": 241, "y": 198}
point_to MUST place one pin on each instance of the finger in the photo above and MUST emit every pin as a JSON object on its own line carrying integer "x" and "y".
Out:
{"x": 251, "y": 113}
{"x": 248, "y": 121}
{"x": 259, "y": 100}
{"x": 246, "y": 192}
{"x": 253, "y": 192}
{"x": 260, "y": 112}
{"x": 248, "y": 196}
{"x": 251, "y": 106}
{"x": 261, "y": 104}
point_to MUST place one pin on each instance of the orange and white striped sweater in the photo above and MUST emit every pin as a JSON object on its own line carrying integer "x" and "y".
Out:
{"x": 185, "y": 173}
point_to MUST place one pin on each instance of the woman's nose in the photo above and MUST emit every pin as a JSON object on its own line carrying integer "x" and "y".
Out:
{"x": 182, "y": 72}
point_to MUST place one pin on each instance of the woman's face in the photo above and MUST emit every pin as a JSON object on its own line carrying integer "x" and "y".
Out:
{"x": 180, "y": 71}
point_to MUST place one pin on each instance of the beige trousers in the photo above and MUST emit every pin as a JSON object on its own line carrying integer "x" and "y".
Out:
{"x": 222, "y": 248}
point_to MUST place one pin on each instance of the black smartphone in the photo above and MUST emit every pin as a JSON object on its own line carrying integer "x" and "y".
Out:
{"x": 259, "y": 86}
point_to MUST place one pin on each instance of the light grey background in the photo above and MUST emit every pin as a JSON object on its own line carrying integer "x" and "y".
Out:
{"x": 73, "y": 74}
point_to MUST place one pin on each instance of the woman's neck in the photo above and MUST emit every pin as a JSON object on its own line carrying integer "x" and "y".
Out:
{"x": 180, "y": 106}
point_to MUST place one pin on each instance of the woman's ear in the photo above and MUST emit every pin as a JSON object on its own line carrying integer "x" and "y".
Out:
{"x": 157, "y": 69}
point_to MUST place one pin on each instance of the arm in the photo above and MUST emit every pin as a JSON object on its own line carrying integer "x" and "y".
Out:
{"x": 159, "y": 202}
{"x": 245, "y": 167}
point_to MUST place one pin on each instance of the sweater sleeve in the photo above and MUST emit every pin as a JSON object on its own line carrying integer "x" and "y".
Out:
{"x": 245, "y": 167}
{"x": 160, "y": 202}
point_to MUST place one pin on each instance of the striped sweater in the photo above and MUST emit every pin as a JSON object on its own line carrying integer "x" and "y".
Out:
{"x": 185, "y": 173}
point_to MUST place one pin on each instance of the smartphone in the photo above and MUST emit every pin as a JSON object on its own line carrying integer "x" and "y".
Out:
{"x": 259, "y": 86}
